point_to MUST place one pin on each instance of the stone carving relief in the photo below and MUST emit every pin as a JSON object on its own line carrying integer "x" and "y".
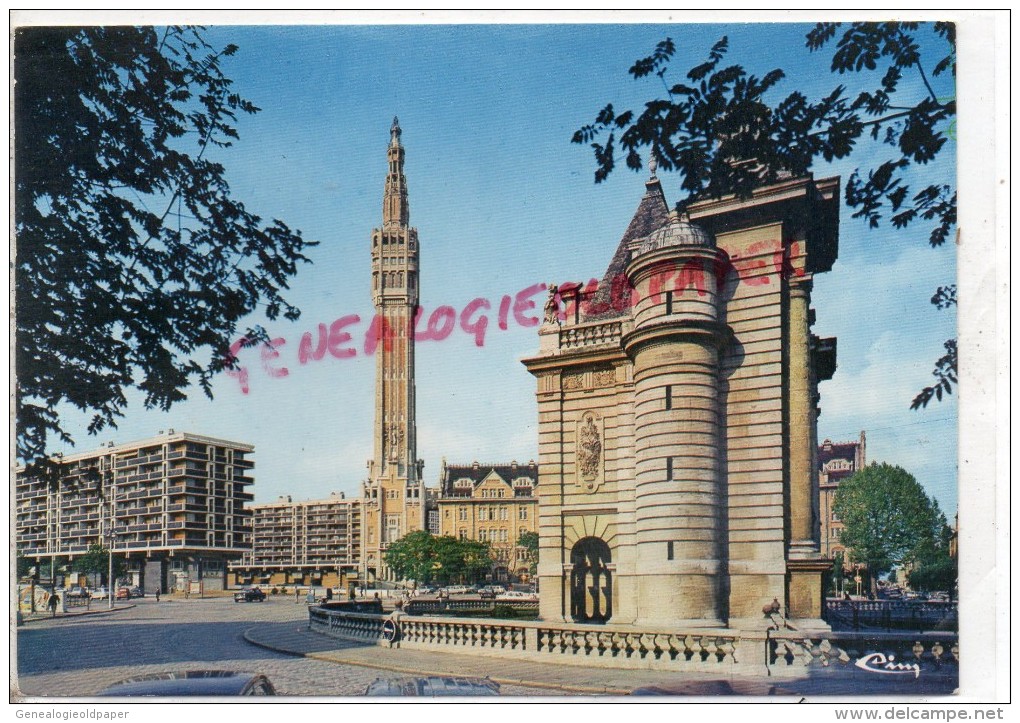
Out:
{"x": 552, "y": 306}
{"x": 604, "y": 377}
{"x": 396, "y": 436}
{"x": 589, "y": 451}
{"x": 573, "y": 381}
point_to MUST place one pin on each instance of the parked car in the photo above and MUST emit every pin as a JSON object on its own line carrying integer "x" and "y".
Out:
{"x": 457, "y": 590}
{"x": 100, "y": 593}
{"x": 433, "y": 686}
{"x": 249, "y": 594}
{"x": 192, "y": 683}
{"x": 123, "y": 593}
{"x": 136, "y": 592}
{"x": 517, "y": 596}
{"x": 77, "y": 591}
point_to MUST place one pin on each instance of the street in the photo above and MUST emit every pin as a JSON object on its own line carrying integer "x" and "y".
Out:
{"x": 81, "y": 655}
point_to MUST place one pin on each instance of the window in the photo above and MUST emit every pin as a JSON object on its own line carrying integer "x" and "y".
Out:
{"x": 669, "y": 550}
{"x": 522, "y": 513}
{"x": 502, "y": 514}
{"x": 483, "y": 514}
{"x": 463, "y": 534}
{"x": 669, "y": 396}
{"x": 502, "y": 535}
{"x": 483, "y": 535}
{"x": 462, "y": 513}
{"x": 669, "y": 468}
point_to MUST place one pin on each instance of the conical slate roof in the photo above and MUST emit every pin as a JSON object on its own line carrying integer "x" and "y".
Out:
{"x": 652, "y": 214}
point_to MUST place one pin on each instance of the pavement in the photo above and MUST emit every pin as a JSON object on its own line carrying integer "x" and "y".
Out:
{"x": 79, "y": 654}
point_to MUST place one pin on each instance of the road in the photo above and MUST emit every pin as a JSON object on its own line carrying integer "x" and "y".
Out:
{"x": 79, "y": 656}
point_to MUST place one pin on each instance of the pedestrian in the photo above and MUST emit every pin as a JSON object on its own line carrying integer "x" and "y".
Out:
{"x": 297, "y": 594}
{"x": 157, "y": 594}
{"x": 52, "y": 604}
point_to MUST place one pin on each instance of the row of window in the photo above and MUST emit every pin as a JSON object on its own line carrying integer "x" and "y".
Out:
{"x": 490, "y": 513}
{"x": 493, "y": 535}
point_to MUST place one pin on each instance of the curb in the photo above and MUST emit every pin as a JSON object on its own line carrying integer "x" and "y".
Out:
{"x": 332, "y": 657}
{"x": 65, "y": 616}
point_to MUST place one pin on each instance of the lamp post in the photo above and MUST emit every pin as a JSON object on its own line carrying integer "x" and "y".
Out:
{"x": 109, "y": 558}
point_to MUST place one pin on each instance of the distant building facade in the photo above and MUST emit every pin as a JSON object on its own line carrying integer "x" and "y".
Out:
{"x": 836, "y": 462}
{"x": 492, "y": 503}
{"x": 174, "y": 507}
{"x": 315, "y": 542}
{"x": 677, "y": 417}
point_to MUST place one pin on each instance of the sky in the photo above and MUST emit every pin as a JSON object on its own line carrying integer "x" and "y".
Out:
{"x": 502, "y": 200}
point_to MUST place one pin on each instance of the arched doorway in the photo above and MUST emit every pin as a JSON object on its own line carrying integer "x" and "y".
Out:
{"x": 591, "y": 582}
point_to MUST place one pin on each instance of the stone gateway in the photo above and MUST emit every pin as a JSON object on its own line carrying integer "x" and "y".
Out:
{"x": 677, "y": 415}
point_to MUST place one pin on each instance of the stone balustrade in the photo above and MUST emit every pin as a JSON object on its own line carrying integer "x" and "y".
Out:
{"x": 587, "y": 335}
{"x": 929, "y": 651}
{"x": 572, "y": 644}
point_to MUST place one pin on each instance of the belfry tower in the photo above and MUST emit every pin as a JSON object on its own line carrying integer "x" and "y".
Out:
{"x": 394, "y": 492}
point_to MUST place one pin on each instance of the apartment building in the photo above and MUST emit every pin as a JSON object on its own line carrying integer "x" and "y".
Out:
{"x": 172, "y": 507}
{"x": 315, "y": 542}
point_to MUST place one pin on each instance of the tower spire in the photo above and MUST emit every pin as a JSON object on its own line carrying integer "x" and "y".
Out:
{"x": 395, "y": 209}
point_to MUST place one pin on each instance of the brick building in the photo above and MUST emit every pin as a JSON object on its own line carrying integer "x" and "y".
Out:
{"x": 836, "y": 462}
{"x": 491, "y": 503}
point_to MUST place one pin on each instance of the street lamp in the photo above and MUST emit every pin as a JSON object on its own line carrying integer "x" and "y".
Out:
{"x": 110, "y": 538}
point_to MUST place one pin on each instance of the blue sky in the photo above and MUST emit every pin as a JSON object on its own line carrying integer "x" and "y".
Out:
{"x": 502, "y": 200}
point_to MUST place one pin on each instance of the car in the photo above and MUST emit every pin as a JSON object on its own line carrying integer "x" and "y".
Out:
{"x": 457, "y": 590}
{"x": 206, "y": 683}
{"x": 433, "y": 686}
{"x": 77, "y": 591}
{"x": 249, "y": 594}
{"x": 100, "y": 593}
{"x": 123, "y": 593}
{"x": 517, "y": 596}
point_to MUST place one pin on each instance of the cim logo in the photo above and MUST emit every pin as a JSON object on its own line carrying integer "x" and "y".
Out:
{"x": 879, "y": 663}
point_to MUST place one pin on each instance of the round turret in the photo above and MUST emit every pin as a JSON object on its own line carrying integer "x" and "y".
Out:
{"x": 679, "y": 232}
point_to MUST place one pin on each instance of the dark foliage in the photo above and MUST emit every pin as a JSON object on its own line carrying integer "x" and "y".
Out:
{"x": 720, "y": 130}
{"x": 132, "y": 257}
